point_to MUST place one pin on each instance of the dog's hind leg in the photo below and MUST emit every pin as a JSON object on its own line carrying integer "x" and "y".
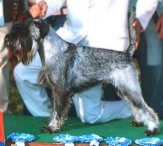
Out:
{"x": 129, "y": 89}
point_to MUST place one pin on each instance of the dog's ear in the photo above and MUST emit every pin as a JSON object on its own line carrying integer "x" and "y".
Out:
{"x": 44, "y": 28}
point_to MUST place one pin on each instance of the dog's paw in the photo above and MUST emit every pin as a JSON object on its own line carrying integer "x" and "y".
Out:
{"x": 137, "y": 124}
{"x": 151, "y": 133}
{"x": 47, "y": 129}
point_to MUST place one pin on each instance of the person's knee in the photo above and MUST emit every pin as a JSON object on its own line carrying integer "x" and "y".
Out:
{"x": 17, "y": 72}
{"x": 89, "y": 118}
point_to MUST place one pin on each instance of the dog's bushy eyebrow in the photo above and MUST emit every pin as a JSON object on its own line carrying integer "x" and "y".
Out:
{"x": 20, "y": 28}
{"x": 37, "y": 24}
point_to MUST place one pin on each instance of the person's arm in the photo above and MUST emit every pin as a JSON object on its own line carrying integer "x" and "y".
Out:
{"x": 45, "y": 8}
{"x": 145, "y": 10}
{"x": 136, "y": 24}
{"x": 159, "y": 27}
{"x": 159, "y": 24}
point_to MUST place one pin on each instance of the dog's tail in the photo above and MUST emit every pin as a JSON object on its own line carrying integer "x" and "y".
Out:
{"x": 132, "y": 32}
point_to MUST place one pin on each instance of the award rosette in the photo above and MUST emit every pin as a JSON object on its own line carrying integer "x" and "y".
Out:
{"x": 66, "y": 139}
{"x": 93, "y": 139}
{"x": 149, "y": 141}
{"x": 118, "y": 141}
{"x": 20, "y": 138}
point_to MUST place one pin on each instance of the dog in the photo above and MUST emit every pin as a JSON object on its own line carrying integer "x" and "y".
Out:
{"x": 68, "y": 69}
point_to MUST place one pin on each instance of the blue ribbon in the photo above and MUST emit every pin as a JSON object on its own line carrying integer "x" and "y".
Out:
{"x": 65, "y": 138}
{"x": 90, "y": 137}
{"x": 2, "y": 144}
{"x": 149, "y": 141}
{"x": 20, "y": 137}
{"x": 118, "y": 141}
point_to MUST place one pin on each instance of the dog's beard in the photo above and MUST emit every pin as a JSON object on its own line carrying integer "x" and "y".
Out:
{"x": 29, "y": 53}
{"x": 23, "y": 48}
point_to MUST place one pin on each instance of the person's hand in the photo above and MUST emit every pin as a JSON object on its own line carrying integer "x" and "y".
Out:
{"x": 159, "y": 27}
{"x": 38, "y": 10}
{"x": 136, "y": 24}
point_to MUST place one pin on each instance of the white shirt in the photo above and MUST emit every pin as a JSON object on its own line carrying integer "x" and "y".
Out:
{"x": 101, "y": 23}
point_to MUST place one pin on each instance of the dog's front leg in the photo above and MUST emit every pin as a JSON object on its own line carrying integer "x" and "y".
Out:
{"x": 61, "y": 105}
{"x": 52, "y": 125}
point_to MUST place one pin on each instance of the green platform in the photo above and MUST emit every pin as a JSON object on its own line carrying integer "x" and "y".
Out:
{"x": 73, "y": 126}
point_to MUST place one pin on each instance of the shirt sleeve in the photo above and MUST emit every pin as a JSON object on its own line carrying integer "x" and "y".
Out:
{"x": 145, "y": 10}
{"x": 53, "y": 6}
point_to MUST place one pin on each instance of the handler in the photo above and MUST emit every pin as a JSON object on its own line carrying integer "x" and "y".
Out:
{"x": 150, "y": 59}
{"x": 5, "y": 25}
{"x": 89, "y": 23}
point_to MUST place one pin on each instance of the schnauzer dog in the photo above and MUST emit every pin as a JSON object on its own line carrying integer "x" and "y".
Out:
{"x": 68, "y": 69}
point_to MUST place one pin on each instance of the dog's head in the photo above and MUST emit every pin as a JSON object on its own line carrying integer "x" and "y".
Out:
{"x": 24, "y": 38}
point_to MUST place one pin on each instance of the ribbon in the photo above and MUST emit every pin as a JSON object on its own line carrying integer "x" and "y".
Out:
{"x": 149, "y": 141}
{"x": 20, "y": 138}
{"x": 66, "y": 139}
{"x": 93, "y": 139}
{"x": 118, "y": 141}
{"x": 69, "y": 140}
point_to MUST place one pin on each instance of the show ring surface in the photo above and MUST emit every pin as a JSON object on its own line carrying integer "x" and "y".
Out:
{"x": 73, "y": 126}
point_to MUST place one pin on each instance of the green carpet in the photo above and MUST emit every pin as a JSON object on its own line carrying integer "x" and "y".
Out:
{"x": 73, "y": 126}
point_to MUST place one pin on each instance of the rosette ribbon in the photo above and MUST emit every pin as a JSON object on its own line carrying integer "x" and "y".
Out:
{"x": 93, "y": 139}
{"x": 20, "y": 138}
{"x": 118, "y": 141}
{"x": 149, "y": 141}
{"x": 66, "y": 139}
{"x": 2, "y": 144}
